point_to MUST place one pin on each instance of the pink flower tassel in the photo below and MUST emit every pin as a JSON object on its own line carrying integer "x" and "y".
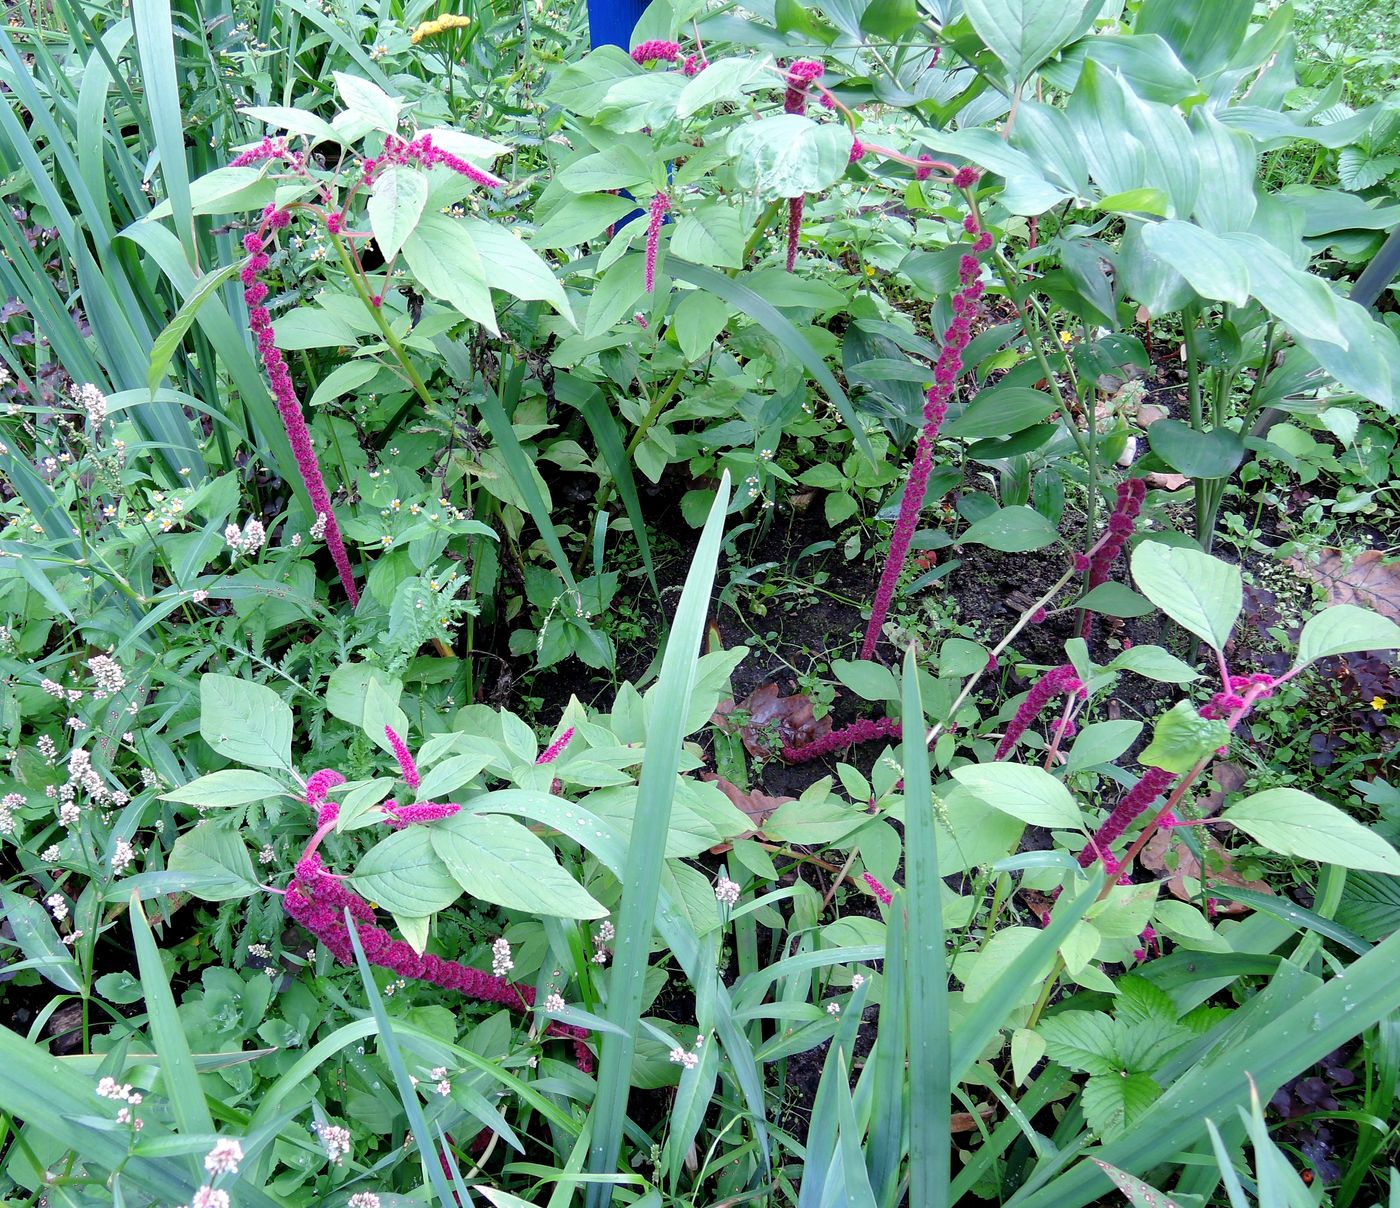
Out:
{"x": 882, "y": 895}
{"x": 945, "y": 376}
{"x": 318, "y": 901}
{"x": 1154, "y": 783}
{"x": 660, "y": 205}
{"x": 400, "y": 816}
{"x": 794, "y": 230}
{"x": 839, "y": 740}
{"x": 288, "y": 407}
{"x": 656, "y": 51}
{"x": 406, "y": 764}
{"x": 1122, "y": 521}
{"x": 1052, "y": 683}
{"x": 556, "y": 748}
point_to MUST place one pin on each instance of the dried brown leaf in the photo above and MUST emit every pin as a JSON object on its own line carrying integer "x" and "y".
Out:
{"x": 777, "y": 721}
{"x": 1368, "y": 580}
{"x": 755, "y": 804}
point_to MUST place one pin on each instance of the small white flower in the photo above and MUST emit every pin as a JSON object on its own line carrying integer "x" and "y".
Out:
{"x": 363, "y": 1199}
{"x": 857, "y": 981}
{"x": 680, "y": 1056}
{"x": 224, "y": 1157}
{"x": 336, "y": 1140}
{"x": 122, "y": 856}
{"x": 554, "y": 1003}
{"x": 58, "y": 907}
{"x": 727, "y": 891}
{"x": 207, "y": 1197}
{"x": 501, "y": 962}
{"x": 833, "y": 1008}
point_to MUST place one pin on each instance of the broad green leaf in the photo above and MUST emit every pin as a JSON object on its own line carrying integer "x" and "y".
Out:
{"x": 1012, "y": 530}
{"x": 1200, "y": 593}
{"x": 294, "y": 121}
{"x": 245, "y": 722}
{"x": 395, "y": 205}
{"x": 348, "y": 685}
{"x": 1212, "y": 454}
{"x": 1155, "y": 663}
{"x": 32, "y": 930}
{"x": 726, "y": 80}
{"x": 1183, "y": 738}
{"x": 710, "y": 234}
{"x": 698, "y": 320}
{"x": 1101, "y": 742}
{"x": 442, "y": 256}
{"x": 218, "y": 858}
{"x": 624, "y": 165}
{"x": 499, "y": 860}
{"x": 368, "y": 102}
{"x": 381, "y": 709}
{"x": 580, "y": 219}
{"x": 233, "y": 786}
{"x": 1006, "y": 950}
{"x": 1115, "y": 600}
{"x": 1212, "y": 267}
{"x": 1024, "y": 33}
{"x": 1081, "y": 1040}
{"x": 514, "y": 267}
{"x": 1000, "y": 412}
{"x": 1294, "y": 823}
{"x": 405, "y": 876}
{"x": 789, "y": 155}
{"x": 163, "y": 349}
{"x": 342, "y": 380}
{"x": 1027, "y": 1048}
{"x": 1114, "y": 1102}
{"x": 1344, "y": 629}
{"x": 868, "y": 680}
{"x": 889, "y": 19}
{"x": 1025, "y": 792}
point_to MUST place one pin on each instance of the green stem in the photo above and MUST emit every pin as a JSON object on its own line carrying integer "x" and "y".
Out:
{"x": 377, "y": 314}
{"x": 760, "y": 229}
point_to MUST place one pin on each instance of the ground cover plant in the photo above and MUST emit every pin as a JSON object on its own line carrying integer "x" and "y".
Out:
{"x": 800, "y": 611}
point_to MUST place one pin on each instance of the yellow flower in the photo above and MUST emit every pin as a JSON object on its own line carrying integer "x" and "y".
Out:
{"x": 430, "y": 29}
{"x": 1378, "y": 703}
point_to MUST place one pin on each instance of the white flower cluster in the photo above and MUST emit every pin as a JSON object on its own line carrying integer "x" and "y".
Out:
{"x": 91, "y": 400}
{"x": 123, "y": 854}
{"x": 501, "y": 962}
{"x": 246, "y": 541}
{"x": 224, "y": 1157}
{"x": 363, "y": 1199}
{"x": 336, "y": 1141}
{"x": 8, "y": 804}
{"x": 108, "y": 674}
{"x": 727, "y": 891}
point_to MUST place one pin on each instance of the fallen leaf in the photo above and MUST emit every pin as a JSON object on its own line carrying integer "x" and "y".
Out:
{"x": 1368, "y": 580}
{"x": 961, "y": 1122}
{"x": 1167, "y": 482}
{"x": 1149, "y": 413}
{"x": 756, "y": 805}
{"x": 777, "y": 721}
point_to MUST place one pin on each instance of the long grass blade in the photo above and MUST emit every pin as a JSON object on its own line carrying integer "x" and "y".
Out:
{"x": 642, "y": 877}
{"x": 155, "y": 47}
{"x": 178, "y": 1071}
{"x": 930, "y": 1080}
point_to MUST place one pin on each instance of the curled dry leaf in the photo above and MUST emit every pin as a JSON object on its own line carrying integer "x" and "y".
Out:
{"x": 776, "y": 721}
{"x": 1368, "y": 580}
{"x": 756, "y": 805}
{"x": 1165, "y": 853}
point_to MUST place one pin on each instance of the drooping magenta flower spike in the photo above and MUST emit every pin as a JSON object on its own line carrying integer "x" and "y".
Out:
{"x": 946, "y": 371}
{"x": 400, "y": 816}
{"x": 799, "y": 80}
{"x": 401, "y": 753}
{"x": 1121, "y": 522}
{"x": 556, "y": 748}
{"x": 660, "y": 207}
{"x": 1054, "y": 682}
{"x": 656, "y": 51}
{"x": 284, "y": 394}
{"x": 866, "y": 730}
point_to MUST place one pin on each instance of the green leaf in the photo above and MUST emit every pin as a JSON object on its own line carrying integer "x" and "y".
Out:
{"x": 405, "y": 875}
{"x": 1114, "y": 1103}
{"x": 581, "y": 218}
{"x": 1155, "y": 663}
{"x": 1212, "y": 454}
{"x": 1101, "y": 742}
{"x": 1025, "y": 792}
{"x": 1024, "y": 33}
{"x": 1344, "y": 629}
{"x": 163, "y": 349}
{"x": 294, "y": 121}
{"x": 1114, "y": 600}
{"x": 1212, "y": 267}
{"x": 1200, "y": 593}
{"x": 698, "y": 320}
{"x": 444, "y": 259}
{"x": 889, "y": 19}
{"x": 1081, "y": 1040}
{"x": 711, "y": 234}
{"x": 381, "y": 709}
{"x": 368, "y": 102}
{"x": 726, "y": 80}
{"x": 1000, "y": 412}
{"x": 1183, "y": 738}
{"x": 498, "y": 860}
{"x": 342, "y": 380}
{"x": 1004, "y": 953}
{"x": 245, "y": 722}
{"x": 233, "y": 786}
{"x": 1294, "y": 823}
{"x": 347, "y": 688}
{"x": 514, "y": 267}
{"x": 217, "y": 858}
{"x": 1013, "y": 530}
{"x": 395, "y": 204}
{"x": 868, "y": 680}
{"x": 789, "y": 155}
{"x": 1140, "y": 1194}
{"x": 39, "y": 941}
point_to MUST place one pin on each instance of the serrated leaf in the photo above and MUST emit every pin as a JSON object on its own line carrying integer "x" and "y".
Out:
{"x": 1081, "y": 1040}
{"x": 1113, "y": 1103}
{"x": 1182, "y": 738}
